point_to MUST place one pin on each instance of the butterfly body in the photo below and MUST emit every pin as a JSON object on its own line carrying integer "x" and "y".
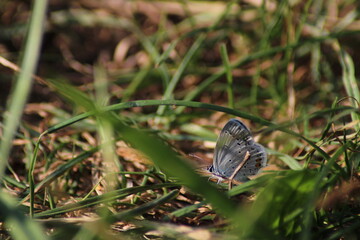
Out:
{"x": 234, "y": 141}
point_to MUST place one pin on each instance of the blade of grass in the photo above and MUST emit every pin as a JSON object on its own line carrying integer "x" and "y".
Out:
{"x": 126, "y": 215}
{"x": 185, "y": 210}
{"x": 257, "y": 55}
{"x": 104, "y": 198}
{"x": 59, "y": 171}
{"x": 179, "y": 72}
{"x": 31, "y": 177}
{"x": 288, "y": 160}
{"x": 204, "y": 84}
{"x": 167, "y": 52}
{"x": 197, "y": 130}
{"x": 142, "y": 103}
{"x": 350, "y": 82}
{"x": 269, "y": 28}
{"x": 17, "y": 224}
{"x": 23, "y": 84}
{"x": 13, "y": 182}
{"x": 258, "y": 182}
{"x": 278, "y": 207}
{"x": 329, "y": 123}
{"x": 227, "y": 67}
{"x": 105, "y": 129}
{"x": 134, "y": 84}
{"x": 96, "y": 226}
{"x": 151, "y": 49}
{"x": 339, "y": 234}
{"x": 192, "y": 51}
{"x": 309, "y": 207}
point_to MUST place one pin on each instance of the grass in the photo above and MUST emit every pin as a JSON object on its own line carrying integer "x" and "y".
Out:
{"x": 99, "y": 145}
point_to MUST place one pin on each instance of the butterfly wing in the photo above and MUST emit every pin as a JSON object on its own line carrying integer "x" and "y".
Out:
{"x": 232, "y": 139}
{"x": 256, "y": 161}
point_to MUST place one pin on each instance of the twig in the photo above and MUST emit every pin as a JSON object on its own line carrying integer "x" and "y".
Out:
{"x": 246, "y": 158}
{"x": 16, "y": 68}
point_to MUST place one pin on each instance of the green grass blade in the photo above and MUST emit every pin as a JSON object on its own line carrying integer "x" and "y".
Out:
{"x": 134, "y": 84}
{"x": 167, "y": 52}
{"x": 104, "y": 198}
{"x": 126, "y": 215}
{"x": 65, "y": 167}
{"x": 277, "y": 210}
{"x": 242, "y": 114}
{"x": 227, "y": 67}
{"x": 309, "y": 207}
{"x": 19, "y": 226}
{"x": 13, "y": 182}
{"x": 258, "y": 182}
{"x": 257, "y": 55}
{"x": 195, "y": 129}
{"x": 288, "y": 160}
{"x": 350, "y": 83}
{"x": 24, "y": 80}
{"x": 175, "y": 79}
{"x": 186, "y": 210}
{"x": 96, "y": 228}
{"x": 31, "y": 176}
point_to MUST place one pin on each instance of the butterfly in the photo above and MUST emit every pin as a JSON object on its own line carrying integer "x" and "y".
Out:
{"x": 237, "y": 155}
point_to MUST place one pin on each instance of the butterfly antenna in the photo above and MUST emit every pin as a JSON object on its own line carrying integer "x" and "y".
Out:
{"x": 246, "y": 158}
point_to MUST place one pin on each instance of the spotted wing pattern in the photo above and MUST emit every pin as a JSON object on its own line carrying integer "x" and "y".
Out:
{"x": 234, "y": 141}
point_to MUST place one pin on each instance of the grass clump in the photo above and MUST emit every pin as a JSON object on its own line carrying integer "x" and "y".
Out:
{"x": 109, "y": 102}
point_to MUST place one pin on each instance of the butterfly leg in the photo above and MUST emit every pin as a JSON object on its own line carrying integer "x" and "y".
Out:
{"x": 231, "y": 178}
